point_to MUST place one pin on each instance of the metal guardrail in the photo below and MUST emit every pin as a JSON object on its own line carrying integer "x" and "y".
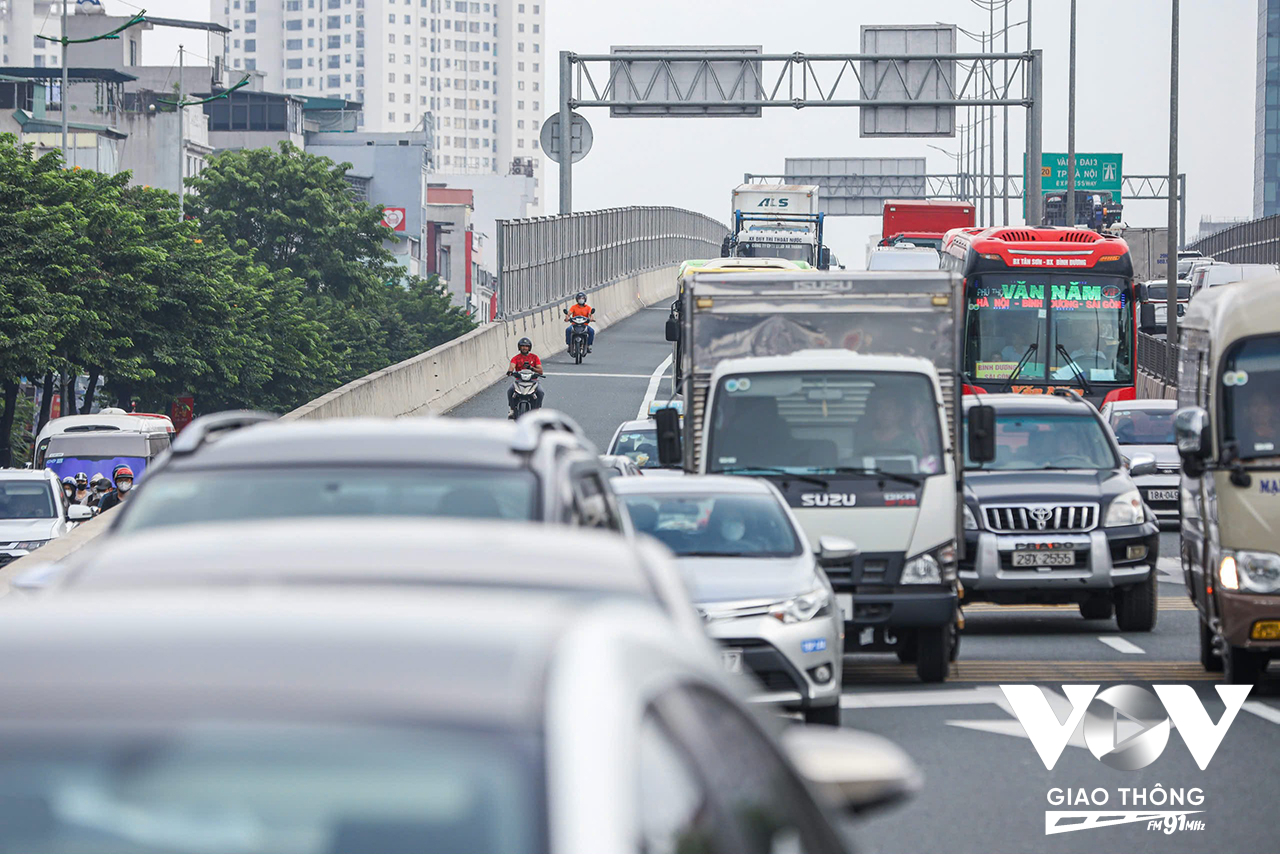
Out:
{"x": 543, "y": 260}
{"x": 1254, "y": 242}
{"x": 1157, "y": 358}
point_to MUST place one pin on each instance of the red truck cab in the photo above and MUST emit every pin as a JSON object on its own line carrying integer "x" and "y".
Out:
{"x": 923, "y": 222}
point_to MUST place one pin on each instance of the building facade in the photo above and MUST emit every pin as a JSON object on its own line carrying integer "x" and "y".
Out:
{"x": 474, "y": 70}
{"x": 1266, "y": 140}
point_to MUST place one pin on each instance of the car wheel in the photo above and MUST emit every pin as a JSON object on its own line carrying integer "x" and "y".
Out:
{"x": 1209, "y": 657}
{"x": 906, "y": 648}
{"x": 955, "y": 642}
{"x": 1136, "y": 605}
{"x": 1242, "y": 666}
{"x": 933, "y": 653}
{"x": 1097, "y": 608}
{"x": 823, "y": 715}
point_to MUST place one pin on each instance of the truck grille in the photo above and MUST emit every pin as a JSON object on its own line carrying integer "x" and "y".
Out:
{"x": 1037, "y": 518}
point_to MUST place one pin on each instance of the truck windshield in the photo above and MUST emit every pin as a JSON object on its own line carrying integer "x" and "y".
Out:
{"x": 1065, "y": 324}
{"x": 825, "y": 421}
{"x": 787, "y": 251}
{"x": 1251, "y": 398}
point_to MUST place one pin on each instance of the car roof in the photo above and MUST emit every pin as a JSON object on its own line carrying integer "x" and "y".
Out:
{"x": 693, "y": 484}
{"x": 477, "y": 656}
{"x": 466, "y": 442}
{"x": 1146, "y": 403}
{"x": 811, "y": 360}
{"x": 27, "y": 474}
{"x": 639, "y": 424}
{"x": 366, "y": 551}
{"x": 1030, "y": 403}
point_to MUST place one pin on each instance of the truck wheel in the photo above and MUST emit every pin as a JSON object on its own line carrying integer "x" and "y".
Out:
{"x": 1097, "y": 608}
{"x": 823, "y": 715}
{"x": 1209, "y": 657}
{"x": 933, "y": 653}
{"x": 1136, "y": 605}
{"x": 906, "y": 648}
{"x": 1242, "y": 666}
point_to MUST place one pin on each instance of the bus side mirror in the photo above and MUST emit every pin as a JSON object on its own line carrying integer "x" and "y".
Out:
{"x": 1147, "y": 318}
{"x": 673, "y": 328}
{"x": 824, "y": 257}
{"x": 982, "y": 433}
{"x": 668, "y": 424}
{"x": 1191, "y": 431}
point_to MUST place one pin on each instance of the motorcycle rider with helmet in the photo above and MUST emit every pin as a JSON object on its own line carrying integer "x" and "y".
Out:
{"x": 69, "y": 489}
{"x": 123, "y": 478}
{"x": 580, "y": 309}
{"x": 523, "y": 359}
{"x": 82, "y": 488}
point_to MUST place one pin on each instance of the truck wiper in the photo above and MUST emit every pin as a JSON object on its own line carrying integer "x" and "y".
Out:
{"x": 889, "y": 475}
{"x": 816, "y": 481}
{"x": 1031, "y": 349}
{"x": 1071, "y": 363}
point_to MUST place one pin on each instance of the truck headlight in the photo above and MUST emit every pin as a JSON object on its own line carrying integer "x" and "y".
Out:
{"x": 1126, "y": 509}
{"x": 970, "y": 521}
{"x": 815, "y": 603}
{"x": 933, "y": 567}
{"x": 1254, "y": 572}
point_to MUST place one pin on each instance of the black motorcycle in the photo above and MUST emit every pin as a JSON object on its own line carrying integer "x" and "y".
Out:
{"x": 526, "y": 385}
{"x": 578, "y": 339}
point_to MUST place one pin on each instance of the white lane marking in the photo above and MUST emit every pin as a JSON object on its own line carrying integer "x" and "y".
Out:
{"x": 1262, "y": 710}
{"x": 610, "y": 376}
{"x": 1169, "y": 569}
{"x": 914, "y": 699}
{"x": 654, "y": 379}
{"x": 1122, "y": 645}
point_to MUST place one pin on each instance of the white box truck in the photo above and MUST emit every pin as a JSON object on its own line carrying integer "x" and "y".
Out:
{"x": 777, "y": 221}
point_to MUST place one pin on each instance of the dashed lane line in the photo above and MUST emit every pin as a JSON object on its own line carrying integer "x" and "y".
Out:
{"x": 608, "y": 376}
{"x": 1262, "y": 710}
{"x": 1122, "y": 645}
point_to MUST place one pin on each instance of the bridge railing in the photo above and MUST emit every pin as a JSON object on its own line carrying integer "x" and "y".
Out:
{"x": 1154, "y": 358}
{"x": 544, "y": 260}
{"x": 1254, "y": 242}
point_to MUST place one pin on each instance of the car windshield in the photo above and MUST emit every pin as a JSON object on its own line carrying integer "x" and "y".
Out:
{"x": 1027, "y": 442}
{"x": 1143, "y": 426}
{"x": 1251, "y": 397}
{"x": 820, "y": 421}
{"x": 269, "y": 789}
{"x": 26, "y": 499}
{"x": 640, "y": 445}
{"x": 1160, "y": 293}
{"x": 715, "y": 525}
{"x": 184, "y": 497}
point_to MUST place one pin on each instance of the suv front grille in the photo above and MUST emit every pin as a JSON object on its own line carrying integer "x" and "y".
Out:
{"x": 1037, "y": 518}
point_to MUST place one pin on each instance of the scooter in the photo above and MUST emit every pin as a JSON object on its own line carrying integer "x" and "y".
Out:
{"x": 526, "y": 385}
{"x": 578, "y": 339}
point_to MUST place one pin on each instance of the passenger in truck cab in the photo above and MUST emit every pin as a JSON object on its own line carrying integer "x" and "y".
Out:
{"x": 894, "y": 426}
{"x": 1259, "y": 433}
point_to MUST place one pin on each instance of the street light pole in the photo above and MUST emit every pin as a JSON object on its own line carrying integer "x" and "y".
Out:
{"x": 182, "y": 148}
{"x": 65, "y": 83}
{"x": 1071, "y": 125}
{"x": 1004, "y": 124}
{"x": 1171, "y": 243}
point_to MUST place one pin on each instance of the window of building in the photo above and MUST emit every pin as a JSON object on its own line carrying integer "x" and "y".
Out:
{"x": 334, "y": 61}
{"x": 335, "y": 42}
{"x": 251, "y": 64}
{"x": 335, "y": 81}
{"x": 535, "y": 28}
{"x": 250, "y": 26}
{"x": 333, "y": 22}
{"x": 520, "y": 46}
{"x": 293, "y": 83}
{"x": 250, "y": 45}
{"x": 293, "y": 64}
{"x": 391, "y": 117}
{"x": 293, "y": 6}
{"x": 293, "y": 44}
{"x": 293, "y": 25}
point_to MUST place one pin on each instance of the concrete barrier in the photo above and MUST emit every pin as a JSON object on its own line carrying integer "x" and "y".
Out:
{"x": 438, "y": 380}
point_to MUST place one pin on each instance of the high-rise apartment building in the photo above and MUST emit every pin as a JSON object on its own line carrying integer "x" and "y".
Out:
{"x": 1266, "y": 141}
{"x": 473, "y": 69}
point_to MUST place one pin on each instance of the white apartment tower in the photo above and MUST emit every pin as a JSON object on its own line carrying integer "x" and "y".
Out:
{"x": 475, "y": 69}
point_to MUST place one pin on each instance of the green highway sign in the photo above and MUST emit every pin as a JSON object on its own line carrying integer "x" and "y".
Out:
{"x": 1095, "y": 173}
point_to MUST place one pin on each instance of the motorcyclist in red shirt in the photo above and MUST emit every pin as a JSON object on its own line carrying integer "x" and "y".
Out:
{"x": 524, "y": 359}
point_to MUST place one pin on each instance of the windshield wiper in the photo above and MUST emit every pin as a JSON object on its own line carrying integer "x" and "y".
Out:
{"x": 1031, "y": 349}
{"x": 717, "y": 554}
{"x": 889, "y": 475}
{"x": 807, "y": 478}
{"x": 1071, "y": 363}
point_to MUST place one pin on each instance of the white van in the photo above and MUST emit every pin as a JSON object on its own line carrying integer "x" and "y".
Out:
{"x": 95, "y": 444}
{"x": 1222, "y": 273}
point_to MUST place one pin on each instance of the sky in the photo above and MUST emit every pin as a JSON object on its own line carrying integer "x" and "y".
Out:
{"x": 1122, "y": 104}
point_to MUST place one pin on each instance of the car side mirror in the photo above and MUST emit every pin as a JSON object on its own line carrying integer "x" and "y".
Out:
{"x": 1147, "y": 318}
{"x": 670, "y": 452}
{"x": 726, "y": 248}
{"x": 1140, "y": 292}
{"x": 856, "y": 771}
{"x": 836, "y": 551}
{"x": 982, "y": 433}
{"x": 673, "y": 329}
{"x": 79, "y": 513}
{"x": 1182, "y": 309}
{"x": 824, "y": 258}
{"x": 1142, "y": 464}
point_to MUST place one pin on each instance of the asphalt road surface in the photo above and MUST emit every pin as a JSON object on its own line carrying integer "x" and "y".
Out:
{"x": 986, "y": 789}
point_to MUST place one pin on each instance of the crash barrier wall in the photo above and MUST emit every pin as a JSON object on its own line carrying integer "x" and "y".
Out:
{"x": 440, "y": 379}
{"x": 56, "y": 550}
{"x": 1254, "y": 242}
{"x": 544, "y": 260}
{"x": 1157, "y": 368}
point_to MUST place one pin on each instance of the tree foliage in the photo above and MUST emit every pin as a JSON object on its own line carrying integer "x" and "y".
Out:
{"x": 277, "y": 288}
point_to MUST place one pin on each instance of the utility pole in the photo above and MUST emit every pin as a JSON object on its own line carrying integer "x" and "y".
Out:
{"x": 566, "y": 132}
{"x": 182, "y": 148}
{"x": 1035, "y": 141}
{"x": 65, "y": 82}
{"x": 1071, "y": 125}
{"x": 1171, "y": 245}
{"x": 991, "y": 115}
{"x": 1004, "y": 124}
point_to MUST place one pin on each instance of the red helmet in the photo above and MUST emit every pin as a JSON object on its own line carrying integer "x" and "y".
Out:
{"x": 121, "y": 471}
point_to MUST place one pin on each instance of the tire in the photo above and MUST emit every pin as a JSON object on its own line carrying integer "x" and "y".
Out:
{"x": 1097, "y": 608}
{"x": 577, "y": 350}
{"x": 823, "y": 715}
{"x": 1209, "y": 657}
{"x": 1242, "y": 666}
{"x": 906, "y": 649}
{"x": 522, "y": 406}
{"x": 1136, "y": 606}
{"x": 933, "y": 653}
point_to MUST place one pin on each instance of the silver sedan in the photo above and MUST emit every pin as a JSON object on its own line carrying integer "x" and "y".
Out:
{"x": 756, "y": 580}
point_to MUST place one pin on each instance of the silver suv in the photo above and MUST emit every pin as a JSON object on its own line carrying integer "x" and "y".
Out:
{"x": 236, "y": 466}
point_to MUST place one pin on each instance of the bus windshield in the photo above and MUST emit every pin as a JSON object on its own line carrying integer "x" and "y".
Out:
{"x": 1066, "y": 325}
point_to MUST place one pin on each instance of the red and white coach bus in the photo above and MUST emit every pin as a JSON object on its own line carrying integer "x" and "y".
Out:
{"x": 1046, "y": 308}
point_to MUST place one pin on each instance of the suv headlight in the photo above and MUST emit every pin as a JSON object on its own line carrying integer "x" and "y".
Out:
{"x": 815, "y": 603}
{"x": 1253, "y": 572}
{"x": 970, "y": 521}
{"x": 30, "y": 545}
{"x": 1125, "y": 509}
{"x": 933, "y": 567}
